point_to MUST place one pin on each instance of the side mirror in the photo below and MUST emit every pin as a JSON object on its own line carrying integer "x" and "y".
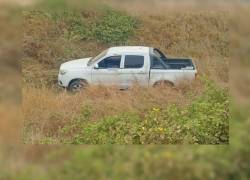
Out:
{"x": 96, "y": 66}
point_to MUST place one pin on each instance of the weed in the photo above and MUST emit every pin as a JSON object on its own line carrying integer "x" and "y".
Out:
{"x": 115, "y": 28}
{"x": 204, "y": 121}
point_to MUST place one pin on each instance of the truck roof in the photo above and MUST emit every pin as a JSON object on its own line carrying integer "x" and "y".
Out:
{"x": 128, "y": 49}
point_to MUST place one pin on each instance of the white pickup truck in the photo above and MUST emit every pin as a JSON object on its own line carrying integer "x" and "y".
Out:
{"x": 124, "y": 66}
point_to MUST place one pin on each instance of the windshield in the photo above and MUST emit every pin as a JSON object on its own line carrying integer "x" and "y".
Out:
{"x": 94, "y": 59}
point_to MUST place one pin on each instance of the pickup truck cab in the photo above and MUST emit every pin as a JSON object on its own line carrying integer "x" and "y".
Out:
{"x": 124, "y": 66}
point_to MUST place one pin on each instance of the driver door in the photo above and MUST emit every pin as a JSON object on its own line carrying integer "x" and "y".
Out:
{"x": 106, "y": 72}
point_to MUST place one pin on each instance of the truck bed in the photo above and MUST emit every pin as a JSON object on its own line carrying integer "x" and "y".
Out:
{"x": 179, "y": 63}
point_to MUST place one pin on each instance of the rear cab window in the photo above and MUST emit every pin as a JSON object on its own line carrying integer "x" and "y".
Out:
{"x": 133, "y": 61}
{"x": 156, "y": 63}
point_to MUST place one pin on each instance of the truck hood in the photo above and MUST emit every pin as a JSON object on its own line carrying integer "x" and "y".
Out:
{"x": 78, "y": 63}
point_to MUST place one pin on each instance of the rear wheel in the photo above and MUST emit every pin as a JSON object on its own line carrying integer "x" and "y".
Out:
{"x": 164, "y": 84}
{"x": 77, "y": 85}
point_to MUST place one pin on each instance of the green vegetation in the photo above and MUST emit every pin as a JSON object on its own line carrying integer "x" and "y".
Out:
{"x": 204, "y": 121}
{"x": 48, "y": 110}
{"x": 115, "y": 28}
{"x": 111, "y": 26}
{"x": 139, "y": 162}
{"x": 64, "y": 34}
{"x": 55, "y": 35}
{"x": 73, "y": 23}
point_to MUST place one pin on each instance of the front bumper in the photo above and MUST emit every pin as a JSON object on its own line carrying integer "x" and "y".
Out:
{"x": 60, "y": 83}
{"x": 63, "y": 80}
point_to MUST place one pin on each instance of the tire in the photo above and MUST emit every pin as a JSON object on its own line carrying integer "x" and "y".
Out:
{"x": 164, "y": 84}
{"x": 77, "y": 85}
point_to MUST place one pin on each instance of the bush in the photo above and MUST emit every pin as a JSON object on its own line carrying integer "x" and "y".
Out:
{"x": 115, "y": 28}
{"x": 73, "y": 25}
{"x": 121, "y": 129}
{"x": 53, "y": 36}
{"x": 204, "y": 121}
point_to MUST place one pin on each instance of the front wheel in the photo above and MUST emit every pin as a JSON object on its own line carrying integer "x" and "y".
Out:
{"x": 77, "y": 85}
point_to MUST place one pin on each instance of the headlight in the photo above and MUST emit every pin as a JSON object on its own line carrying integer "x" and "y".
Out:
{"x": 63, "y": 71}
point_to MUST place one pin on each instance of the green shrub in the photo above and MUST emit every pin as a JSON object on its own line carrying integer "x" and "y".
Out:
{"x": 204, "y": 121}
{"x": 115, "y": 28}
{"x": 121, "y": 129}
{"x": 72, "y": 24}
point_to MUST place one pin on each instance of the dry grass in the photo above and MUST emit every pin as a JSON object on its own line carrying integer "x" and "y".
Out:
{"x": 202, "y": 34}
{"x": 15, "y": 159}
{"x": 10, "y": 101}
{"x": 10, "y": 123}
{"x": 188, "y": 29}
{"x": 196, "y": 30}
{"x": 159, "y": 7}
{"x": 239, "y": 54}
{"x": 46, "y": 112}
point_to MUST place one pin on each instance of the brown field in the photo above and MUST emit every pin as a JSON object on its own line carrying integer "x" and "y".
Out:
{"x": 58, "y": 109}
{"x": 41, "y": 107}
{"x": 200, "y": 32}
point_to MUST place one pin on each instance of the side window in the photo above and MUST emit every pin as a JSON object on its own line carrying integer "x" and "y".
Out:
{"x": 133, "y": 61}
{"x": 110, "y": 62}
{"x": 156, "y": 63}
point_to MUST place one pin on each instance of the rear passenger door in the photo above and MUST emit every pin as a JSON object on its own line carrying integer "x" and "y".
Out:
{"x": 134, "y": 70}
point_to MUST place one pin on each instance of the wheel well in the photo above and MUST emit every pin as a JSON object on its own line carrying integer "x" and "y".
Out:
{"x": 73, "y": 80}
{"x": 164, "y": 81}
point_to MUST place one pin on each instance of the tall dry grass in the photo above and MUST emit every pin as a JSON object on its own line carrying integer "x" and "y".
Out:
{"x": 191, "y": 30}
{"x": 10, "y": 96}
{"x": 197, "y": 29}
{"x": 203, "y": 36}
{"x": 239, "y": 54}
{"x": 216, "y": 162}
{"x": 46, "y": 112}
